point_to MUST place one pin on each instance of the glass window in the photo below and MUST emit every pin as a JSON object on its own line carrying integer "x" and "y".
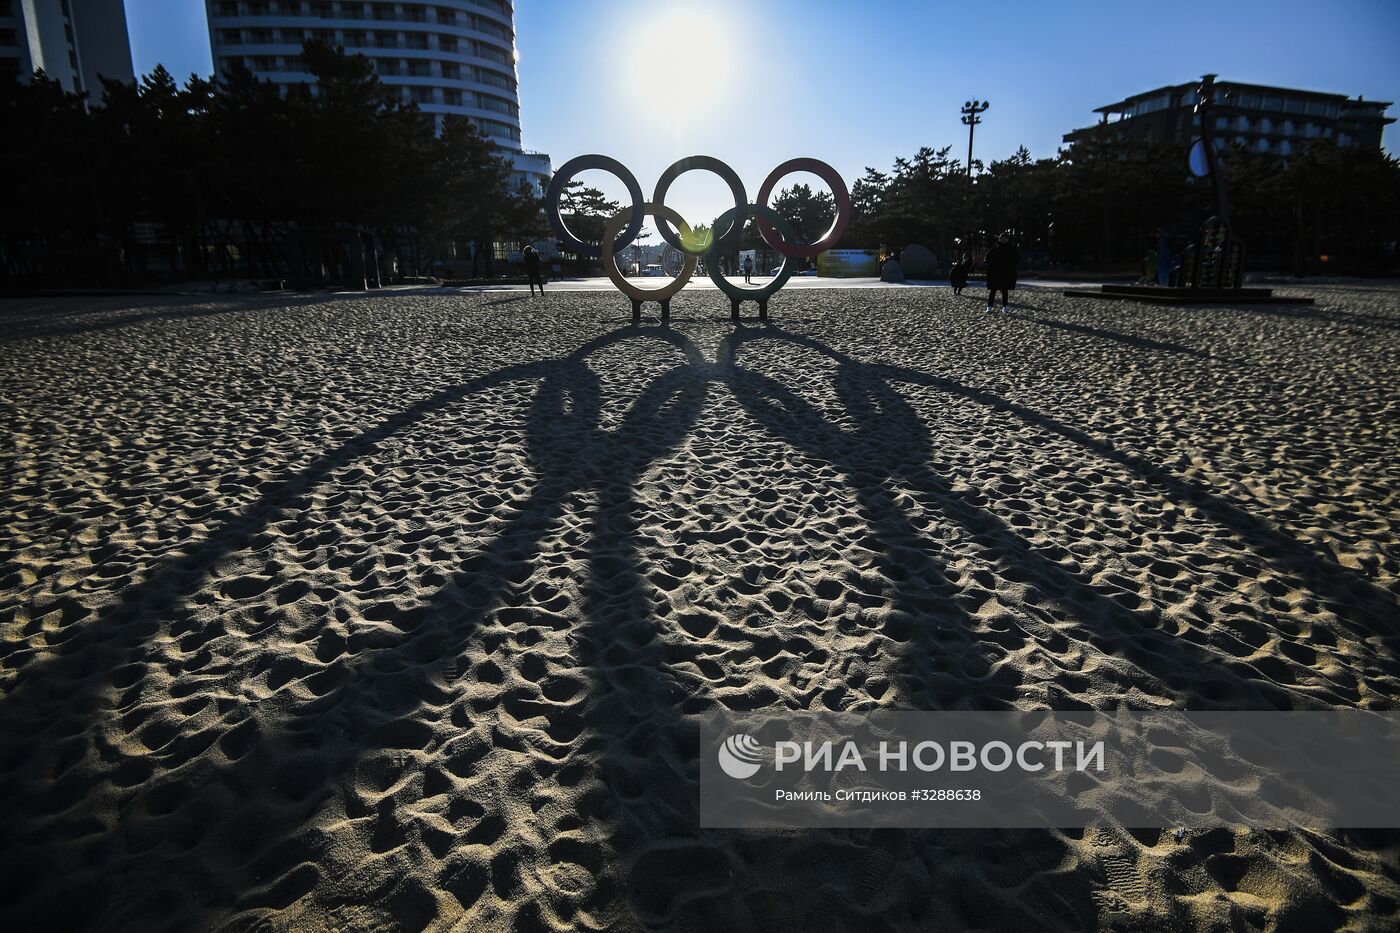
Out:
{"x": 494, "y": 78}
{"x": 491, "y": 28}
{"x": 495, "y": 128}
{"x": 490, "y": 53}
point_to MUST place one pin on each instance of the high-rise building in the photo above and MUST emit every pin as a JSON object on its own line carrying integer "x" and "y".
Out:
{"x": 74, "y": 42}
{"x": 447, "y": 56}
{"x": 1263, "y": 119}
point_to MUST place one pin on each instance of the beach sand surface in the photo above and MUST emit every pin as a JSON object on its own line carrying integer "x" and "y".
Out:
{"x": 391, "y": 612}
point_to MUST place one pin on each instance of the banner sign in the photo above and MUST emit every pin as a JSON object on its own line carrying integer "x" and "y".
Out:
{"x": 848, "y": 263}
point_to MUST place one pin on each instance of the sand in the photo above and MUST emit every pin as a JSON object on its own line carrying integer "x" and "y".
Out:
{"x": 367, "y": 613}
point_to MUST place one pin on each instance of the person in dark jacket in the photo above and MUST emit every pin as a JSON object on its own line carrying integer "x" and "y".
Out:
{"x": 958, "y": 276}
{"x": 532, "y": 270}
{"x": 1002, "y": 260}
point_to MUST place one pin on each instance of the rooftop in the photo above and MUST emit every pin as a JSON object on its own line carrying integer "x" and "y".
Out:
{"x": 1190, "y": 86}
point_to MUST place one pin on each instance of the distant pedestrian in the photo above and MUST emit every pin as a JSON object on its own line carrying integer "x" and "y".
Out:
{"x": 532, "y": 270}
{"x": 1002, "y": 260}
{"x": 958, "y": 276}
{"x": 748, "y": 270}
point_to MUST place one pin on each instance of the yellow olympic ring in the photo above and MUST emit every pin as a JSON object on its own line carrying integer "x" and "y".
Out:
{"x": 638, "y": 295}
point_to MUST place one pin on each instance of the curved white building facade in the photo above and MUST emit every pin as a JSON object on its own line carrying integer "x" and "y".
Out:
{"x": 447, "y": 56}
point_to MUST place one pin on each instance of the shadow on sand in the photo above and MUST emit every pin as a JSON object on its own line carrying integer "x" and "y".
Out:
{"x": 175, "y": 836}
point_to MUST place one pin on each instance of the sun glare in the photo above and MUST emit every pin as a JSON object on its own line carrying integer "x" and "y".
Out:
{"x": 685, "y": 41}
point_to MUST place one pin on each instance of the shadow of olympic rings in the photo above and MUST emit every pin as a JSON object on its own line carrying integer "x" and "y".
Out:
{"x": 637, "y": 696}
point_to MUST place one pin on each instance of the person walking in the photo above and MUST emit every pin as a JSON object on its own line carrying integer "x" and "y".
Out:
{"x": 532, "y": 270}
{"x": 748, "y": 270}
{"x": 958, "y": 277}
{"x": 1002, "y": 260}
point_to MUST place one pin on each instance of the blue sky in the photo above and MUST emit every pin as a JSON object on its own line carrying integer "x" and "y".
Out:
{"x": 859, "y": 83}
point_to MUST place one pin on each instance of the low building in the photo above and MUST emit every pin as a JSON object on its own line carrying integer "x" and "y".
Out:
{"x": 1260, "y": 118}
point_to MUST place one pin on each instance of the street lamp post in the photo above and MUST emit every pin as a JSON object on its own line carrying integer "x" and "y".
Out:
{"x": 971, "y": 111}
{"x": 971, "y": 116}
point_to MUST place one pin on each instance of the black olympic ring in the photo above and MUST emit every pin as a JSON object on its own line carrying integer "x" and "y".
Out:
{"x": 736, "y": 187}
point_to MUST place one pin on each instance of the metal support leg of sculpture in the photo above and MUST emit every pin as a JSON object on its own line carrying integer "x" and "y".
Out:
{"x": 734, "y": 304}
{"x": 637, "y": 310}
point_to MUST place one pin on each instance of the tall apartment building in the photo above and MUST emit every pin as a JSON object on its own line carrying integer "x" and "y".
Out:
{"x": 75, "y": 42}
{"x": 448, "y": 56}
{"x": 1263, "y": 119}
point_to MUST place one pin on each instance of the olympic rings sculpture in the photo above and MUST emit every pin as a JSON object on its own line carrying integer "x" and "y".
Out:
{"x": 622, "y": 229}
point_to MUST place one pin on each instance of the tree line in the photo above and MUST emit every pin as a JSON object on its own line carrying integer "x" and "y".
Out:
{"x": 1325, "y": 208}
{"x": 227, "y": 177}
{"x": 345, "y": 182}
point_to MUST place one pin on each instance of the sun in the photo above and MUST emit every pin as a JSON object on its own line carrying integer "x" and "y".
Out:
{"x": 685, "y": 44}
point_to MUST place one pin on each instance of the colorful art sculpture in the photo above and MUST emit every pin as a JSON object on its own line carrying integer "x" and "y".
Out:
{"x": 1217, "y": 260}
